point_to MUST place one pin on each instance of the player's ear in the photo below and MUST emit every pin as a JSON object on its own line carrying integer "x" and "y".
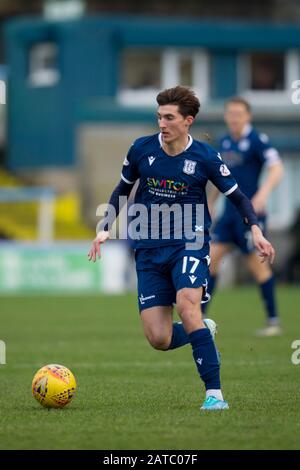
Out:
{"x": 189, "y": 120}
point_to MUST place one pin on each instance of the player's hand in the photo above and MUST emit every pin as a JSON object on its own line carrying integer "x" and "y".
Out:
{"x": 263, "y": 246}
{"x": 95, "y": 248}
{"x": 259, "y": 203}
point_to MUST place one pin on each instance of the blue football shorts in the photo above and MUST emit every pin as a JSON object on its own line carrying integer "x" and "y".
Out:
{"x": 230, "y": 228}
{"x": 163, "y": 271}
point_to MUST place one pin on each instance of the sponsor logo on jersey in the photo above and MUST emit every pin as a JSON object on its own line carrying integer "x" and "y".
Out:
{"x": 126, "y": 162}
{"x": 143, "y": 299}
{"x": 193, "y": 278}
{"x": 189, "y": 167}
{"x": 151, "y": 159}
{"x": 207, "y": 257}
{"x": 167, "y": 184}
{"x": 232, "y": 158}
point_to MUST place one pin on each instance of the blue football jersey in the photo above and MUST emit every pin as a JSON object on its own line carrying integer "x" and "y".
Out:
{"x": 245, "y": 159}
{"x": 173, "y": 182}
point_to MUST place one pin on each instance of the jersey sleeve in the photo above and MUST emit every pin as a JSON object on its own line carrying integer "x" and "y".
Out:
{"x": 129, "y": 172}
{"x": 219, "y": 174}
{"x": 265, "y": 151}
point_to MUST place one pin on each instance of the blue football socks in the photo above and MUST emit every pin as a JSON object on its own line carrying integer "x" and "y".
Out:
{"x": 267, "y": 290}
{"x": 179, "y": 336}
{"x": 206, "y": 357}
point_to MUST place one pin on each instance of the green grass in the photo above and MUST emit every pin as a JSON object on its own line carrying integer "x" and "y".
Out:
{"x": 133, "y": 397}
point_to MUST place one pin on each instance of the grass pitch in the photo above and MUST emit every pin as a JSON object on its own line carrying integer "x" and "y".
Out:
{"x": 133, "y": 397}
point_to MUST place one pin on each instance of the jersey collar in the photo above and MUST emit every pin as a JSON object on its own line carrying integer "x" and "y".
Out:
{"x": 190, "y": 141}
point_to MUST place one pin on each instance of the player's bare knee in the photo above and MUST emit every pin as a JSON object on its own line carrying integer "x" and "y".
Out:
{"x": 158, "y": 341}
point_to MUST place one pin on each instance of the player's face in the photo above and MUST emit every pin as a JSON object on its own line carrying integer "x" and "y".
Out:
{"x": 236, "y": 117}
{"x": 173, "y": 126}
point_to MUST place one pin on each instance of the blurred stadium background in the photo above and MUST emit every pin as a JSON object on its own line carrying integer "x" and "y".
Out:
{"x": 78, "y": 84}
{"x": 78, "y": 80}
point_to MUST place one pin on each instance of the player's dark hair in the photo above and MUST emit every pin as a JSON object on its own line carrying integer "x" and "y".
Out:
{"x": 186, "y": 100}
{"x": 239, "y": 100}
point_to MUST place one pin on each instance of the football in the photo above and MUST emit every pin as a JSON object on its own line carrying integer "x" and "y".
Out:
{"x": 54, "y": 386}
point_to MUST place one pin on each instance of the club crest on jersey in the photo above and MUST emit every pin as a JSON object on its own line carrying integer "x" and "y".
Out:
{"x": 224, "y": 170}
{"x": 244, "y": 145}
{"x": 189, "y": 167}
{"x": 226, "y": 144}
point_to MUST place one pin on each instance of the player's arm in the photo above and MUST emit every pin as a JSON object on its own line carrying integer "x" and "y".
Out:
{"x": 129, "y": 175}
{"x": 270, "y": 157}
{"x": 212, "y": 197}
{"x": 245, "y": 208}
{"x": 122, "y": 189}
{"x": 275, "y": 174}
{"x": 221, "y": 177}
